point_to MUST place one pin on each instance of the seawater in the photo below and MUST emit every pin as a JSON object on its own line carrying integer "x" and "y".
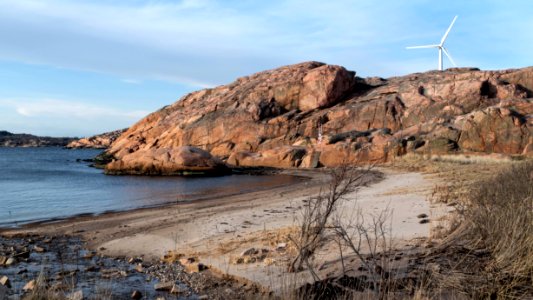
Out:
{"x": 49, "y": 183}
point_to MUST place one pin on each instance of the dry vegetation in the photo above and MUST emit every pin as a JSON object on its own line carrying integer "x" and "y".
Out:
{"x": 491, "y": 252}
{"x": 486, "y": 252}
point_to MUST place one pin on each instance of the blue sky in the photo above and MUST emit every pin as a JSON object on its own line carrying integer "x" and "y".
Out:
{"x": 79, "y": 68}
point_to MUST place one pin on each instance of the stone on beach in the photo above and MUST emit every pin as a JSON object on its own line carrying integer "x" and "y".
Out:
{"x": 164, "y": 286}
{"x": 10, "y": 261}
{"x": 4, "y": 280}
{"x": 30, "y": 285}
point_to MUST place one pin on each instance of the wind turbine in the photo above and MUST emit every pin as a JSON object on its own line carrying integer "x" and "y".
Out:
{"x": 440, "y": 47}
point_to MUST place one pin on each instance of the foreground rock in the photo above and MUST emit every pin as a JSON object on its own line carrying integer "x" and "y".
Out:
{"x": 100, "y": 141}
{"x": 168, "y": 161}
{"x": 312, "y": 115}
{"x": 8, "y": 139}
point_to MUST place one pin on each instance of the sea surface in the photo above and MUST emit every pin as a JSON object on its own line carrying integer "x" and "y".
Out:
{"x": 39, "y": 184}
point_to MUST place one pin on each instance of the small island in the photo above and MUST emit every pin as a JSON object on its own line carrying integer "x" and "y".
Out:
{"x": 8, "y": 139}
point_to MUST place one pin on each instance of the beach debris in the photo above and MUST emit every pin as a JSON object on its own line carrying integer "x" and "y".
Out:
{"x": 136, "y": 295}
{"x": 164, "y": 286}
{"x": 5, "y": 281}
{"x": 3, "y": 260}
{"x": 30, "y": 285}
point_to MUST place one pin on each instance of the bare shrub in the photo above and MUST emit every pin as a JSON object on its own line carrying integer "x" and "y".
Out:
{"x": 317, "y": 213}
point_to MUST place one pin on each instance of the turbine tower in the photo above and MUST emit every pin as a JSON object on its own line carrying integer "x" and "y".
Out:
{"x": 440, "y": 47}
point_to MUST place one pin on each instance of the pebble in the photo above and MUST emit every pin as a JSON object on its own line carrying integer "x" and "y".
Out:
{"x": 164, "y": 286}
{"x": 38, "y": 249}
{"x": 10, "y": 261}
{"x": 29, "y": 286}
{"x": 5, "y": 281}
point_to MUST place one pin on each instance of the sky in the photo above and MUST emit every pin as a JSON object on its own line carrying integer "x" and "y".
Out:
{"x": 78, "y": 68}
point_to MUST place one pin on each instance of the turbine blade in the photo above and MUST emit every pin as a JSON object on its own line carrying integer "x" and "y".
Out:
{"x": 448, "y": 31}
{"x": 449, "y": 56}
{"x": 420, "y": 47}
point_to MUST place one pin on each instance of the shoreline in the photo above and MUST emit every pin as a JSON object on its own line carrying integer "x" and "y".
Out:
{"x": 299, "y": 175}
{"x": 303, "y": 177}
{"x": 215, "y": 231}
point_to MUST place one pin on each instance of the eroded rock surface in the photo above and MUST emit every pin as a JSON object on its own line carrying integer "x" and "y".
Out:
{"x": 100, "y": 141}
{"x": 312, "y": 114}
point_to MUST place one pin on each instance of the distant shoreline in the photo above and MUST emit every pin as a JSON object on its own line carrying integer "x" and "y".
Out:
{"x": 24, "y": 140}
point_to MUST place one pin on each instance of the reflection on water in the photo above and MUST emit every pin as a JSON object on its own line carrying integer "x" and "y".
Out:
{"x": 47, "y": 183}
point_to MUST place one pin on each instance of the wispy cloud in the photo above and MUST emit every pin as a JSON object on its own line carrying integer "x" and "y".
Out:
{"x": 63, "y": 117}
{"x": 201, "y": 43}
{"x": 67, "y": 109}
{"x": 208, "y": 42}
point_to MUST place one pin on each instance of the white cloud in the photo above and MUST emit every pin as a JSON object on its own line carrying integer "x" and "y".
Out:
{"x": 208, "y": 42}
{"x": 201, "y": 43}
{"x": 53, "y": 117}
{"x": 53, "y": 108}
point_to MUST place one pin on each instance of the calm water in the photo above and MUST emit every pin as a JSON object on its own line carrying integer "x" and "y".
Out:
{"x": 46, "y": 183}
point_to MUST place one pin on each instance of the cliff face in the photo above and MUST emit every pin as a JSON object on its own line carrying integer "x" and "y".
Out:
{"x": 8, "y": 139}
{"x": 100, "y": 141}
{"x": 312, "y": 114}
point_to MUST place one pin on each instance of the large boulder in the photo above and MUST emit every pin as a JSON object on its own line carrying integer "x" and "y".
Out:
{"x": 312, "y": 114}
{"x": 167, "y": 161}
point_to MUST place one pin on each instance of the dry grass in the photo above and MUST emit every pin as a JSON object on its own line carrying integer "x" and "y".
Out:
{"x": 490, "y": 252}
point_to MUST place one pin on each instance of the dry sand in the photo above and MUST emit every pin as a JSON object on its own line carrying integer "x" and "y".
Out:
{"x": 205, "y": 228}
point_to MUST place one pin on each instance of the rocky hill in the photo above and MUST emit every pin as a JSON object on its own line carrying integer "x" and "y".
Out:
{"x": 100, "y": 141}
{"x": 313, "y": 114}
{"x": 8, "y": 139}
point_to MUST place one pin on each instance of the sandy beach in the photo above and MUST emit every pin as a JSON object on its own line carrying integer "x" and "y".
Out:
{"x": 217, "y": 230}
